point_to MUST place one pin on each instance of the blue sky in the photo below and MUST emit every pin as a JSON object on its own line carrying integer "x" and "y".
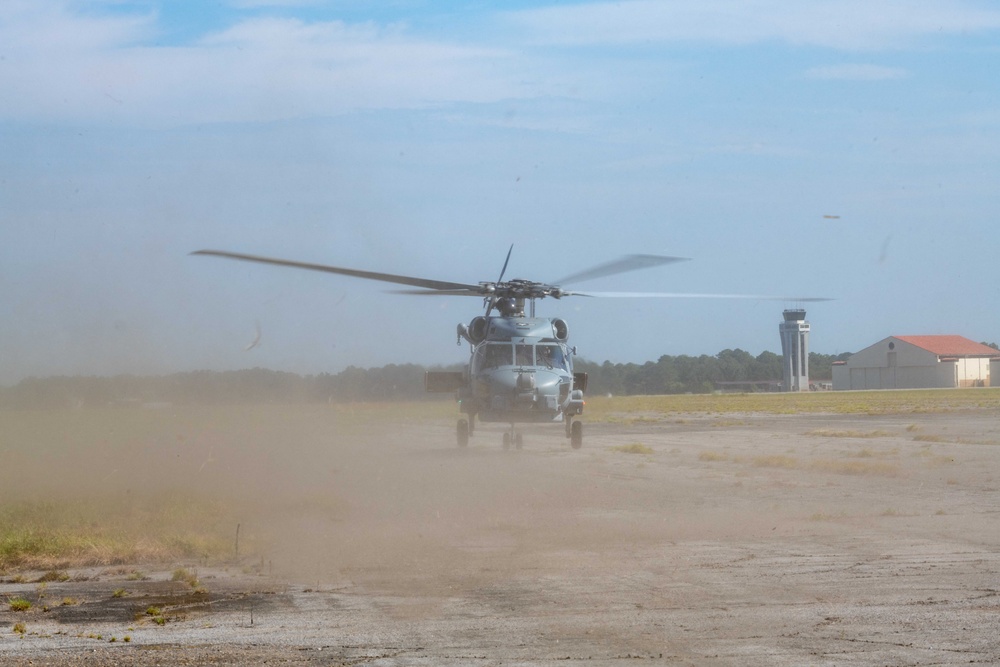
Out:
{"x": 839, "y": 148}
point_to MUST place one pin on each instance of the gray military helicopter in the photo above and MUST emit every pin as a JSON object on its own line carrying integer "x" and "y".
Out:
{"x": 521, "y": 366}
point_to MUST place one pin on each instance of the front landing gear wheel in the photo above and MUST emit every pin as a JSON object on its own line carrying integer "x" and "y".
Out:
{"x": 462, "y": 432}
{"x": 576, "y": 435}
{"x": 506, "y": 440}
{"x": 518, "y": 441}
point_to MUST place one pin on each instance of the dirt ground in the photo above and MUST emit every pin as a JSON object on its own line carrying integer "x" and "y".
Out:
{"x": 692, "y": 540}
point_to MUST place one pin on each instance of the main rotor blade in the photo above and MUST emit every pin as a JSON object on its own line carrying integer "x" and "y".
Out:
{"x": 439, "y": 292}
{"x": 626, "y": 263}
{"x": 505, "y": 262}
{"x": 684, "y": 295}
{"x": 367, "y": 275}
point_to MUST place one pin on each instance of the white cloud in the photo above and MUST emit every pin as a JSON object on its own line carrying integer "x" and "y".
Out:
{"x": 838, "y": 24}
{"x": 37, "y": 27}
{"x": 856, "y": 72}
{"x": 58, "y": 65}
{"x": 62, "y": 66}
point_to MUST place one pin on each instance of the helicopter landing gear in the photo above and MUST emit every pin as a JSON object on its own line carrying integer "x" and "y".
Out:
{"x": 462, "y": 431}
{"x": 574, "y": 431}
{"x": 512, "y": 438}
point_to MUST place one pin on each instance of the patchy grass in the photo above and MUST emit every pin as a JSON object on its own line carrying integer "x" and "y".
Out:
{"x": 712, "y": 456}
{"x": 724, "y": 423}
{"x": 186, "y": 576}
{"x": 19, "y": 604}
{"x": 775, "y": 461}
{"x": 19, "y": 628}
{"x": 115, "y": 529}
{"x": 855, "y": 467}
{"x": 601, "y": 408}
{"x": 633, "y": 448}
{"x": 832, "y": 433}
{"x": 840, "y": 467}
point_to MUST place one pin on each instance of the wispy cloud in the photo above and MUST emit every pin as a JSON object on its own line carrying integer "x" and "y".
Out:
{"x": 839, "y": 24}
{"x": 256, "y": 4}
{"x": 856, "y": 72}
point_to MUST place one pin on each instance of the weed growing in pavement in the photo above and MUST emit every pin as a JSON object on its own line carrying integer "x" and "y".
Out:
{"x": 19, "y": 604}
{"x": 633, "y": 448}
{"x": 182, "y": 574}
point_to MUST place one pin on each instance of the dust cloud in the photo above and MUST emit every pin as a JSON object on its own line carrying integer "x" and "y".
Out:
{"x": 746, "y": 539}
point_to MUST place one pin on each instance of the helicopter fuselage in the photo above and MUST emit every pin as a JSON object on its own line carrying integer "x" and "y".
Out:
{"x": 521, "y": 371}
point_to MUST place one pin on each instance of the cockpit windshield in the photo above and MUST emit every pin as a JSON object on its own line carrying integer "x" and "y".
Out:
{"x": 550, "y": 356}
{"x": 493, "y": 355}
{"x": 524, "y": 355}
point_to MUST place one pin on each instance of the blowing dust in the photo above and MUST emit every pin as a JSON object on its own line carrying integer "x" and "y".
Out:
{"x": 680, "y": 537}
{"x": 338, "y": 494}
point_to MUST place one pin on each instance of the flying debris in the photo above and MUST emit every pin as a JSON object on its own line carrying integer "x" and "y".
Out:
{"x": 832, "y": 217}
{"x": 520, "y": 368}
{"x": 884, "y": 254}
{"x": 256, "y": 340}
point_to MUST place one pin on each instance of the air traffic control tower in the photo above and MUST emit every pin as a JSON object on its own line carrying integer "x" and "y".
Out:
{"x": 795, "y": 350}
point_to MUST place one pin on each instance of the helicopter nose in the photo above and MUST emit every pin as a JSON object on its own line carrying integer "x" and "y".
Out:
{"x": 506, "y": 381}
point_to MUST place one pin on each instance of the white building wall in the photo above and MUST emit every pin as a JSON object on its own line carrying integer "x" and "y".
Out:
{"x": 974, "y": 372}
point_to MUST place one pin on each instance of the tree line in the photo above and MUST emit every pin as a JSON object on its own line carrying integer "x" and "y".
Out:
{"x": 697, "y": 375}
{"x": 395, "y": 382}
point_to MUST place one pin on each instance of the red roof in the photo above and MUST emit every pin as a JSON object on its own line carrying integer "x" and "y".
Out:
{"x": 950, "y": 346}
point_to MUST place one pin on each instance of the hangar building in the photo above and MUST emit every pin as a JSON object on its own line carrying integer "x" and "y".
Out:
{"x": 917, "y": 362}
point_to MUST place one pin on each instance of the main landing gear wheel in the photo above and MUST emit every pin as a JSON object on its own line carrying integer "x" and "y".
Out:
{"x": 462, "y": 432}
{"x": 576, "y": 435}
